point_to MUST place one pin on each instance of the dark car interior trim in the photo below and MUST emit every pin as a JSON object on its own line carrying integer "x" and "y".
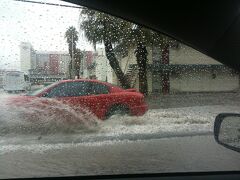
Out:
{"x": 234, "y": 175}
{"x": 211, "y": 27}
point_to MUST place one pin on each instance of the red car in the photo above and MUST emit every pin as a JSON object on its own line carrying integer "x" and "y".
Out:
{"x": 101, "y": 98}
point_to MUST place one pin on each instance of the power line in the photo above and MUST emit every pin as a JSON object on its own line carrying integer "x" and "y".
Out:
{"x": 51, "y": 4}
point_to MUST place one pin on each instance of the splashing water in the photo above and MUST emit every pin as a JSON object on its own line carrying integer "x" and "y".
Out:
{"x": 49, "y": 116}
{"x": 44, "y": 116}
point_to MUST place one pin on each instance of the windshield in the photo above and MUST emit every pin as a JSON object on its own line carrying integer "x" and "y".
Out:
{"x": 40, "y": 90}
{"x": 94, "y": 127}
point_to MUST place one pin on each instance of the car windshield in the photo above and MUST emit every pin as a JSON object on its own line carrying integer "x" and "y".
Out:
{"x": 40, "y": 90}
{"x": 147, "y": 104}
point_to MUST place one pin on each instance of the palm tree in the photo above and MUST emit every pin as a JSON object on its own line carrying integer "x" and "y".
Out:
{"x": 103, "y": 28}
{"x": 141, "y": 38}
{"x": 78, "y": 58}
{"x": 71, "y": 36}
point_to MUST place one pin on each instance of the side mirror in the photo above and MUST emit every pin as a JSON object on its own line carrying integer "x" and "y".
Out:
{"x": 227, "y": 130}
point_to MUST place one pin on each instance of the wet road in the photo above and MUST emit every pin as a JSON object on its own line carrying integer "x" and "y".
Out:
{"x": 177, "y": 154}
{"x": 176, "y": 139}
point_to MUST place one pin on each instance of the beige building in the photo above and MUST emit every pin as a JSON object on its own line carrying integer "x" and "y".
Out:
{"x": 187, "y": 70}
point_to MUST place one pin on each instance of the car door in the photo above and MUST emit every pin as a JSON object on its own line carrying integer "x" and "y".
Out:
{"x": 91, "y": 96}
{"x": 71, "y": 93}
{"x": 98, "y": 99}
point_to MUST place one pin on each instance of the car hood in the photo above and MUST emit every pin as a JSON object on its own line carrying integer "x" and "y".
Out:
{"x": 18, "y": 100}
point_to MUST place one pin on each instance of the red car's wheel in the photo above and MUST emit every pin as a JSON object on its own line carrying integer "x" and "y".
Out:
{"x": 117, "y": 109}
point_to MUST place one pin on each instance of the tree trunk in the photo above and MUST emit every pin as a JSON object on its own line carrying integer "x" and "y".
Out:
{"x": 77, "y": 68}
{"x": 72, "y": 51}
{"x": 165, "y": 76}
{"x": 141, "y": 56}
{"x": 77, "y": 73}
{"x": 115, "y": 64}
{"x": 70, "y": 69}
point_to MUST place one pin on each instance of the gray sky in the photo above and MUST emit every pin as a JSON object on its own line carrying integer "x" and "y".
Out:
{"x": 41, "y": 25}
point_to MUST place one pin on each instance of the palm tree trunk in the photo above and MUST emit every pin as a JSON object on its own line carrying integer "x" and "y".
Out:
{"x": 70, "y": 69}
{"x": 141, "y": 57}
{"x": 165, "y": 75}
{"x": 77, "y": 73}
{"x": 115, "y": 64}
{"x": 77, "y": 69}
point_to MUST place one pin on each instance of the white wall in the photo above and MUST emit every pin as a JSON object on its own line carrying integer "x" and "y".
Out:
{"x": 110, "y": 74}
{"x": 131, "y": 58}
{"x": 103, "y": 68}
{"x": 25, "y": 57}
{"x": 188, "y": 55}
{"x": 199, "y": 80}
{"x": 126, "y": 61}
{"x": 64, "y": 63}
{"x": 33, "y": 59}
{"x": 85, "y": 73}
{"x": 203, "y": 81}
{"x": 188, "y": 81}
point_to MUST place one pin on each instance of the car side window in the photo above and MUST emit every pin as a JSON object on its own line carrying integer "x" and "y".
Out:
{"x": 70, "y": 89}
{"x": 97, "y": 88}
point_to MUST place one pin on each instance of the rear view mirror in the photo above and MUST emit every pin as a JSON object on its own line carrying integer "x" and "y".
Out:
{"x": 227, "y": 130}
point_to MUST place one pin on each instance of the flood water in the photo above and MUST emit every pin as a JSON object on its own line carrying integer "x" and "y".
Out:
{"x": 52, "y": 139}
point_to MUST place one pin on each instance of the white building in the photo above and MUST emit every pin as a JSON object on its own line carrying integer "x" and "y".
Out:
{"x": 200, "y": 73}
{"x": 43, "y": 65}
{"x": 54, "y": 62}
{"x": 88, "y": 66}
{"x": 27, "y": 57}
{"x": 103, "y": 69}
{"x": 187, "y": 70}
{"x": 95, "y": 65}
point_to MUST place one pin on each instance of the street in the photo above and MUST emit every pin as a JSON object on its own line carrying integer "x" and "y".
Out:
{"x": 179, "y": 154}
{"x": 173, "y": 138}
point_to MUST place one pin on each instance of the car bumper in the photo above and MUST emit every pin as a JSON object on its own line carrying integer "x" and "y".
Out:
{"x": 139, "y": 110}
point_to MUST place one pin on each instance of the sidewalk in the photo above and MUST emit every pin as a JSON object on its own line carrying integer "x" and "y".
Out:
{"x": 193, "y": 99}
